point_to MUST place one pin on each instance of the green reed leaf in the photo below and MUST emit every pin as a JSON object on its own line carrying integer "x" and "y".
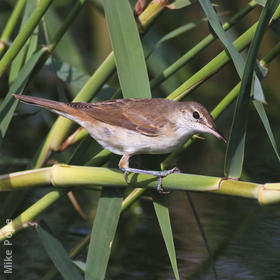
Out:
{"x": 128, "y": 51}
{"x": 237, "y": 58}
{"x": 217, "y": 27}
{"x": 261, "y": 111}
{"x": 161, "y": 207}
{"x": 103, "y": 232}
{"x": 235, "y": 149}
{"x": 57, "y": 253}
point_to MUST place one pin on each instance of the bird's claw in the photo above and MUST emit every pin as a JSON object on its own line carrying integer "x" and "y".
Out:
{"x": 125, "y": 174}
{"x": 159, "y": 186}
{"x": 159, "y": 174}
{"x": 175, "y": 170}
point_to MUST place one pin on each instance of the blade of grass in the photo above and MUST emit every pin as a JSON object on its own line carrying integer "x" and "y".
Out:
{"x": 180, "y": 31}
{"x": 103, "y": 232}
{"x": 260, "y": 109}
{"x": 200, "y": 46}
{"x": 235, "y": 149}
{"x": 57, "y": 253}
{"x": 173, "y": 34}
{"x": 129, "y": 55}
{"x": 257, "y": 89}
{"x": 161, "y": 207}
{"x": 217, "y": 27}
{"x": 236, "y": 57}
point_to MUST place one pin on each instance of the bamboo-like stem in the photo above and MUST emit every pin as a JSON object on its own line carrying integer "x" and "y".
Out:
{"x": 213, "y": 66}
{"x": 9, "y": 27}
{"x": 99, "y": 159}
{"x": 170, "y": 70}
{"x": 68, "y": 21}
{"x": 22, "y": 37}
{"x": 61, "y": 175}
{"x": 132, "y": 197}
{"x": 151, "y": 12}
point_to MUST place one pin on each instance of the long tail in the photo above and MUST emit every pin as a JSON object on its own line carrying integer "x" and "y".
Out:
{"x": 42, "y": 102}
{"x": 63, "y": 109}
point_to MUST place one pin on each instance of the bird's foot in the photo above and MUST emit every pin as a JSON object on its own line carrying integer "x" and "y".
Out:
{"x": 125, "y": 174}
{"x": 159, "y": 174}
{"x": 164, "y": 174}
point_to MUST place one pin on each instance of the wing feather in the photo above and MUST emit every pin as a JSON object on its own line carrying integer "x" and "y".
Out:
{"x": 146, "y": 116}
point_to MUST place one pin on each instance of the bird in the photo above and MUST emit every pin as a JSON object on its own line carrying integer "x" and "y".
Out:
{"x": 136, "y": 126}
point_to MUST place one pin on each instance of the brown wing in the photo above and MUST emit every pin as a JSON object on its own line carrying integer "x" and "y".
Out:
{"x": 146, "y": 116}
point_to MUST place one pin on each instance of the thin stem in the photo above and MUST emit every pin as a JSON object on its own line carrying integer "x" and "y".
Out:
{"x": 216, "y": 63}
{"x": 23, "y": 220}
{"x": 22, "y": 37}
{"x": 10, "y": 26}
{"x": 69, "y": 20}
{"x": 199, "y": 47}
{"x": 273, "y": 53}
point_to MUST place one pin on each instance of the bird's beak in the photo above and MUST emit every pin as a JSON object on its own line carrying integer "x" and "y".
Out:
{"x": 214, "y": 132}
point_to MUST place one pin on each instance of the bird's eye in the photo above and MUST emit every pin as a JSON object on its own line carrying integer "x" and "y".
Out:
{"x": 196, "y": 115}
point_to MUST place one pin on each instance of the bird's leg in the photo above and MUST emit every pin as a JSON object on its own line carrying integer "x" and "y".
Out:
{"x": 124, "y": 166}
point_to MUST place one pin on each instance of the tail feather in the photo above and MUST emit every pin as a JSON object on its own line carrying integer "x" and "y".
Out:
{"x": 60, "y": 108}
{"x": 42, "y": 102}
